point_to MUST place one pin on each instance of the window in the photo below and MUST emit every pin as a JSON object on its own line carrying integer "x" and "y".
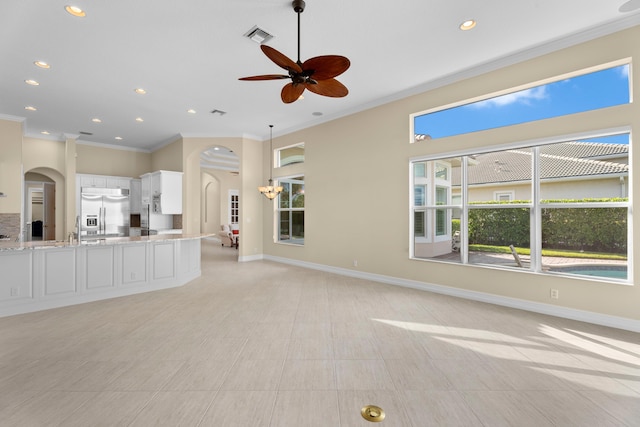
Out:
{"x": 563, "y": 207}
{"x": 290, "y": 155}
{"x": 441, "y": 214}
{"x": 234, "y": 206}
{"x": 433, "y": 184}
{"x": 419, "y": 194}
{"x": 503, "y": 196}
{"x": 568, "y": 94}
{"x": 291, "y": 211}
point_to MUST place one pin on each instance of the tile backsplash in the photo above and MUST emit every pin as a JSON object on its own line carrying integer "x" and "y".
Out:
{"x": 177, "y": 222}
{"x": 10, "y": 224}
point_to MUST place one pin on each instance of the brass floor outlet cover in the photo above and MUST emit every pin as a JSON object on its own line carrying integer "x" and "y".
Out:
{"x": 372, "y": 413}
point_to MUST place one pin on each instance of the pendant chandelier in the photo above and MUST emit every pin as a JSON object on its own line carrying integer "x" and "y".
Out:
{"x": 269, "y": 191}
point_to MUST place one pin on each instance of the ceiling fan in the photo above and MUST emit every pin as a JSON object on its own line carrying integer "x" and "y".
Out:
{"x": 316, "y": 74}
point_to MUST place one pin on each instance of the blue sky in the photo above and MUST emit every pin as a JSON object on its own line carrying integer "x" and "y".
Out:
{"x": 582, "y": 93}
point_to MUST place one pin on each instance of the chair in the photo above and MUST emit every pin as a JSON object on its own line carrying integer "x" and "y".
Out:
{"x": 226, "y": 236}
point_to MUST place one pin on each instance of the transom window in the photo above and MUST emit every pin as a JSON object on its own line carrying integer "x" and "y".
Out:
{"x": 290, "y": 155}
{"x": 568, "y": 94}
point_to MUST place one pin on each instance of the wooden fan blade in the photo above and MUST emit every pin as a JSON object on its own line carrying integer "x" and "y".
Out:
{"x": 329, "y": 87}
{"x": 327, "y": 66}
{"x": 265, "y": 77}
{"x": 291, "y": 92}
{"x": 280, "y": 59}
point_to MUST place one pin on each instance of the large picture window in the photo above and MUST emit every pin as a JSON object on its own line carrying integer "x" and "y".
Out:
{"x": 567, "y": 212}
{"x": 291, "y": 210}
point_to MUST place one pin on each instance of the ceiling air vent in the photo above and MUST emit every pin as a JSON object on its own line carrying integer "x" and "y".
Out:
{"x": 258, "y": 35}
{"x": 220, "y": 112}
{"x": 85, "y": 133}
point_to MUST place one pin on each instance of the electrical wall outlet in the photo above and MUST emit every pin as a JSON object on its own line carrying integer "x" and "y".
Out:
{"x": 15, "y": 291}
{"x": 555, "y": 294}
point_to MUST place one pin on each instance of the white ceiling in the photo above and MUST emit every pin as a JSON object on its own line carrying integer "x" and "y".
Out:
{"x": 190, "y": 54}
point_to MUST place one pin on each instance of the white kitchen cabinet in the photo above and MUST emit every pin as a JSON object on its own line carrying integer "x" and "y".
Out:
{"x": 166, "y": 190}
{"x": 145, "y": 189}
{"x": 93, "y": 181}
{"x": 118, "y": 182}
{"x": 135, "y": 196}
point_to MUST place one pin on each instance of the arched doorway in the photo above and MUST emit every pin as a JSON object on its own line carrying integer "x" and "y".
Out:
{"x": 219, "y": 179}
{"x": 42, "y": 205}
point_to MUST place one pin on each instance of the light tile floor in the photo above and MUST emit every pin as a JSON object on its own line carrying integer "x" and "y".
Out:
{"x": 264, "y": 344}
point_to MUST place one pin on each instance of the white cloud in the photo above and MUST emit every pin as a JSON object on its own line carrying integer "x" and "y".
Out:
{"x": 522, "y": 97}
{"x": 624, "y": 71}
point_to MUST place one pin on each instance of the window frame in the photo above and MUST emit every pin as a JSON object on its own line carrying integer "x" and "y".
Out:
{"x": 278, "y": 157}
{"x": 510, "y": 90}
{"x": 535, "y": 206}
{"x": 284, "y": 181}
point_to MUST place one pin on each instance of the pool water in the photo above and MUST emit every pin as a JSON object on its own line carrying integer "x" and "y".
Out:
{"x": 609, "y": 271}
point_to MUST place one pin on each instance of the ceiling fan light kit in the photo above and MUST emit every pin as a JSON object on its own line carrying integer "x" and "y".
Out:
{"x": 316, "y": 74}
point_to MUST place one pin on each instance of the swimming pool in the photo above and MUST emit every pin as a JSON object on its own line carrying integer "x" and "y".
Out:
{"x": 609, "y": 271}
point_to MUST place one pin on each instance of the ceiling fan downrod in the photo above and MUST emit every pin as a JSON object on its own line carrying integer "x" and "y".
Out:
{"x": 298, "y": 7}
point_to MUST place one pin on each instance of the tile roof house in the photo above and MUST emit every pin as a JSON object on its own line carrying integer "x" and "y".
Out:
{"x": 592, "y": 169}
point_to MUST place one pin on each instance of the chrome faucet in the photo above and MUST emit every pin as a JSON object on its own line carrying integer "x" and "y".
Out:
{"x": 78, "y": 228}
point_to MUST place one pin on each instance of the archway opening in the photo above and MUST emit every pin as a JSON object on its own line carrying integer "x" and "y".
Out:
{"x": 220, "y": 189}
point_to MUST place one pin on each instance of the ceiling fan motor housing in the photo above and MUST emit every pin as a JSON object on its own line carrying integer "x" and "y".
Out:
{"x": 298, "y": 5}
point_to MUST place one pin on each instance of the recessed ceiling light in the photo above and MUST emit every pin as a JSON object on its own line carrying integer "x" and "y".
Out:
{"x": 96, "y": 120}
{"x": 44, "y": 132}
{"x": 139, "y": 119}
{"x": 216, "y": 148}
{"x": 140, "y": 91}
{"x": 467, "y": 25}
{"x": 32, "y": 82}
{"x": 119, "y": 138}
{"x": 42, "y": 64}
{"x": 75, "y": 11}
{"x": 30, "y": 108}
{"x": 191, "y": 111}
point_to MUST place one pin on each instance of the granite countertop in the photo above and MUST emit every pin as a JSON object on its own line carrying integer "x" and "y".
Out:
{"x": 48, "y": 244}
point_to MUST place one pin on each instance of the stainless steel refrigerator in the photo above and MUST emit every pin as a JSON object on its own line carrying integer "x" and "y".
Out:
{"x": 104, "y": 212}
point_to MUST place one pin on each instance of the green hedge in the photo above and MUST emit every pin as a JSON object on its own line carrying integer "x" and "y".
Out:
{"x": 588, "y": 229}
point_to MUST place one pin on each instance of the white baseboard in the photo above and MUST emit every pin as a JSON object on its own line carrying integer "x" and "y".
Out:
{"x": 536, "y": 307}
{"x": 250, "y": 258}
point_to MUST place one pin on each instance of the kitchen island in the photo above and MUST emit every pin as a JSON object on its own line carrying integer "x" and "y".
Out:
{"x": 47, "y": 274}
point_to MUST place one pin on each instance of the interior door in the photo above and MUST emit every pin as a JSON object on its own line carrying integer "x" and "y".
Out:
{"x": 49, "y": 207}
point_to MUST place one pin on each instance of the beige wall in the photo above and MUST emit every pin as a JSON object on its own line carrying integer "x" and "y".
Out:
{"x": 97, "y": 160}
{"x": 11, "y": 166}
{"x": 168, "y": 158}
{"x": 357, "y": 183}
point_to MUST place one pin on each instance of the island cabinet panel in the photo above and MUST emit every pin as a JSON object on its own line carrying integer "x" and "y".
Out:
{"x": 17, "y": 281}
{"x": 163, "y": 260}
{"x": 59, "y": 272}
{"x": 134, "y": 264}
{"x": 49, "y": 274}
{"x": 99, "y": 267}
{"x": 189, "y": 256}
